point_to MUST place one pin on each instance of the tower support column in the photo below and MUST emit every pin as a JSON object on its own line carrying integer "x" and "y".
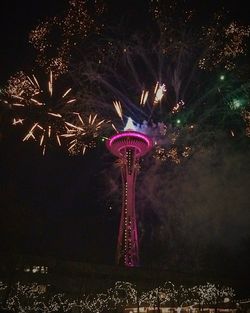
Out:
{"x": 127, "y": 245}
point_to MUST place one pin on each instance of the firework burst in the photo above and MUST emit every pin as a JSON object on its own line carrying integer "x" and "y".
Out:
{"x": 218, "y": 43}
{"x": 156, "y": 79}
{"x": 38, "y": 108}
{"x": 131, "y": 97}
{"x": 54, "y": 39}
{"x": 82, "y": 133}
{"x": 224, "y": 44}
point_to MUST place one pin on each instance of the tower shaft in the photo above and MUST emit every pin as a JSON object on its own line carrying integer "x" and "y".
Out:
{"x": 127, "y": 246}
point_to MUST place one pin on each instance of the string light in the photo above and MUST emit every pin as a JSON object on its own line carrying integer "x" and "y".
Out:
{"x": 33, "y": 297}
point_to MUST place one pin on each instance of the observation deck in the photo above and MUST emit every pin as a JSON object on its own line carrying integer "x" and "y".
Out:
{"x": 119, "y": 143}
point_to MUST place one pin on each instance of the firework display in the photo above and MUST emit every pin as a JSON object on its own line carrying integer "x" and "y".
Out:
{"x": 149, "y": 81}
{"x": 69, "y": 29}
{"x": 82, "y": 135}
{"x": 144, "y": 111}
{"x": 37, "y": 107}
{"x": 171, "y": 71}
{"x": 114, "y": 73}
{"x": 225, "y": 44}
{"x": 219, "y": 43}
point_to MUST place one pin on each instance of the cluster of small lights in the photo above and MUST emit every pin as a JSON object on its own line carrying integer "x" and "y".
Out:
{"x": 155, "y": 9}
{"x": 159, "y": 12}
{"x": 235, "y": 104}
{"x": 125, "y": 219}
{"x": 223, "y": 46}
{"x": 160, "y": 153}
{"x": 20, "y": 84}
{"x": 59, "y": 64}
{"x": 38, "y": 35}
{"x": 164, "y": 154}
{"x": 38, "y": 108}
{"x": 72, "y": 27}
{"x": 179, "y": 105}
{"x": 39, "y": 38}
{"x": 182, "y": 296}
{"x": 165, "y": 137}
{"x": 127, "y": 230}
{"x": 33, "y": 297}
{"x": 221, "y": 43}
{"x": 187, "y": 151}
{"x": 210, "y": 293}
{"x": 41, "y": 269}
{"x": 172, "y": 154}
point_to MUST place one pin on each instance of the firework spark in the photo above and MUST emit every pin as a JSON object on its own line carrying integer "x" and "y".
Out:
{"x": 170, "y": 64}
{"x": 39, "y": 109}
{"x": 164, "y": 154}
{"x": 219, "y": 42}
{"x": 83, "y": 133}
{"x": 69, "y": 29}
{"x": 118, "y": 108}
{"x": 144, "y": 97}
{"x": 179, "y": 105}
{"x": 159, "y": 92}
{"x": 224, "y": 45}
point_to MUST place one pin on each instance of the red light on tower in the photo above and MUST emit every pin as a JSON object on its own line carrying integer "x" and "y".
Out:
{"x": 128, "y": 146}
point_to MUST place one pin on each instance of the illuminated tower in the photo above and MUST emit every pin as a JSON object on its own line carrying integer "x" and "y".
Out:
{"x": 128, "y": 146}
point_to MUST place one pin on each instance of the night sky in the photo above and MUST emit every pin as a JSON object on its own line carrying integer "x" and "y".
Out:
{"x": 65, "y": 206}
{"x": 18, "y": 18}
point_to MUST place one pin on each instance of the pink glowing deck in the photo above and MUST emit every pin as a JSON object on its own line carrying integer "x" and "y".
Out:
{"x": 129, "y": 139}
